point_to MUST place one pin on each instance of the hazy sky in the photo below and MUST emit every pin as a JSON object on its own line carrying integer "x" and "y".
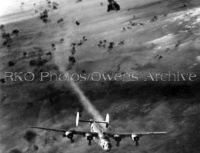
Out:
{"x": 12, "y": 6}
{"x": 6, "y": 6}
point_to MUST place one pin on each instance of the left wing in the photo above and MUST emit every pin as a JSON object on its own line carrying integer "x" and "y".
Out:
{"x": 49, "y": 129}
{"x": 70, "y": 133}
{"x": 134, "y": 136}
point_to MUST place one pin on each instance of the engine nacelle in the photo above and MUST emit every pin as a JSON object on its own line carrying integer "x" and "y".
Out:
{"x": 89, "y": 138}
{"x": 117, "y": 138}
{"x": 135, "y": 138}
{"x": 69, "y": 135}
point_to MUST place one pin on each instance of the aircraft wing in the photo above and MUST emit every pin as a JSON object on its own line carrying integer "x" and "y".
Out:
{"x": 134, "y": 136}
{"x": 72, "y": 131}
{"x": 84, "y": 133}
{"x": 123, "y": 135}
{"x": 49, "y": 129}
{"x": 151, "y": 133}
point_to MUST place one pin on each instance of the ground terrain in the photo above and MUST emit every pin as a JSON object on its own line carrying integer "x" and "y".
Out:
{"x": 144, "y": 36}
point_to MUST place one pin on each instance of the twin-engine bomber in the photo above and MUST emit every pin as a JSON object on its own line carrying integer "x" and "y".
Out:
{"x": 100, "y": 134}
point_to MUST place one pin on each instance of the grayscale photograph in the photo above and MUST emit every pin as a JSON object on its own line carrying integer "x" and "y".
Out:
{"x": 96, "y": 76}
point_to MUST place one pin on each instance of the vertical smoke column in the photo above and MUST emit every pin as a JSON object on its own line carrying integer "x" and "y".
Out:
{"x": 86, "y": 102}
{"x": 61, "y": 55}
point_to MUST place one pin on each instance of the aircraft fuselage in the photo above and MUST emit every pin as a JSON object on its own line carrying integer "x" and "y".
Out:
{"x": 102, "y": 140}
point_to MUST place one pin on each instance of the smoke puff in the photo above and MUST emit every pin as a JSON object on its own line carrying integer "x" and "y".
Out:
{"x": 15, "y": 151}
{"x": 30, "y": 136}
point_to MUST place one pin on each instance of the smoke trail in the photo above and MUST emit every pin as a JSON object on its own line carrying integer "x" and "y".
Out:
{"x": 61, "y": 57}
{"x": 86, "y": 102}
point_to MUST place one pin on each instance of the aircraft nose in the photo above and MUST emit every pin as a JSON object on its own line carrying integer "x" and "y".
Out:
{"x": 108, "y": 147}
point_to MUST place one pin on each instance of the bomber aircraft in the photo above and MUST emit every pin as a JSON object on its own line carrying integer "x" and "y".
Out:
{"x": 100, "y": 132}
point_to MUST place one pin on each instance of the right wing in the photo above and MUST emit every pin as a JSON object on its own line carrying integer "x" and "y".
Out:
{"x": 124, "y": 135}
{"x": 134, "y": 136}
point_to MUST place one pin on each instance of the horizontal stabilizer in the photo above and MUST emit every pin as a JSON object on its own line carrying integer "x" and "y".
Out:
{"x": 92, "y": 121}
